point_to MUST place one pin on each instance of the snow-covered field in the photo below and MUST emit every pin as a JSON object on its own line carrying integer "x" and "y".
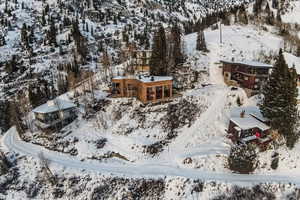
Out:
{"x": 293, "y": 14}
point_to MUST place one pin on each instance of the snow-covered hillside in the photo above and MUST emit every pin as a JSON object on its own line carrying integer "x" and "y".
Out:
{"x": 121, "y": 148}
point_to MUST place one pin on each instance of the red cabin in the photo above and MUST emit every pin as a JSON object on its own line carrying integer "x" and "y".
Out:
{"x": 249, "y": 127}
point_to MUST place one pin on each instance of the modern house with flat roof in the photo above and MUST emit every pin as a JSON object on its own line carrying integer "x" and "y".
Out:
{"x": 247, "y": 74}
{"x": 54, "y": 114}
{"x": 148, "y": 89}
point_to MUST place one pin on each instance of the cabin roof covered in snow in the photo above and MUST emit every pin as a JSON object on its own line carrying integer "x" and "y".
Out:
{"x": 253, "y": 111}
{"x": 255, "y": 64}
{"x": 54, "y": 106}
{"x": 249, "y": 122}
{"x": 146, "y": 79}
{"x": 253, "y": 118}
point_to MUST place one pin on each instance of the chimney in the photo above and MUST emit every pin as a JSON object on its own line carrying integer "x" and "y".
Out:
{"x": 50, "y": 103}
{"x": 242, "y": 114}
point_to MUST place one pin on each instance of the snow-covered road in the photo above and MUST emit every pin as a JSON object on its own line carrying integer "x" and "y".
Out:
{"x": 12, "y": 142}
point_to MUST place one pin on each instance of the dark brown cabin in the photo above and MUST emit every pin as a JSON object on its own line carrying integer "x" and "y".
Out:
{"x": 248, "y": 74}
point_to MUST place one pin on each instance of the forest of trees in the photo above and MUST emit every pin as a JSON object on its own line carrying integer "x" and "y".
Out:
{"x": 166, "y": 56}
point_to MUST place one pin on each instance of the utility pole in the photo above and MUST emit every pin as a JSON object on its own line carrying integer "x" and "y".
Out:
{"x": 221, "y": 33}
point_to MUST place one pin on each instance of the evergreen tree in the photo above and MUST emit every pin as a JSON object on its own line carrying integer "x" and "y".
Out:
{"x": 43, "y": 21}
{"x": 158, "y": 61}
{"x": 31, "y": 37}
{"x": 75, "y": 30}
{"x": 279, "y": 103}
{"x": 52, "y": 34}
{"x": 201, "y": 44}
{"x": 24, "y": 32}
{"x": 242, "y": 159}
{"x": 278, "y": 16}
{"x": 86, "y": 27}
{"x": 270, "y": 18}
{"x": 2, "y": 41}
{"x": 15, "y": 118}
{"x": 177, "y": 51}
{"x": 257, "y": 7}
{"x": 4, "y": 115}
{"x": 298, "y": 51}
{"x": 11, "y": 66}
{"x": 275, "y": 4}
{"x": 267, "y": 9}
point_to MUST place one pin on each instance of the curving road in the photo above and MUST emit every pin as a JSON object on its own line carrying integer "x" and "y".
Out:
{"x": 12, "y": 142}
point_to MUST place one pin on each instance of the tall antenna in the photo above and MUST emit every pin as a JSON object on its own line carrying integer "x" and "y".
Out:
{"x": 221, "y": 32}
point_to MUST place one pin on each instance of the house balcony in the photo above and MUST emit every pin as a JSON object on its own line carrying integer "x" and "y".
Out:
{"x": 52, "y": 123}
{"x": 255, "y": 74}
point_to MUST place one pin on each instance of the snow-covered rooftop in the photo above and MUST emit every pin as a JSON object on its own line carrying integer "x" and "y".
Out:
{"x": 249, "y": 122}
{"x": 146, "y": 79}
{"x": 53, "y": 106}
{"x": 249, "y": 63}
{"x": 253, "y": 118}
{"x": 249, "y": 110}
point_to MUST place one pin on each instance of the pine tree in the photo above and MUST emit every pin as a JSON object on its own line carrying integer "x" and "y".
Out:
{"x": 24, "y": 35}
{"x": 43, "y": 20}
{"x": 279, "y": 103}
{"x": 242, "y": 159}
{"x": 15, "y": 117}
{"x": 270, "y": 18}
{"x": 11, "y": 66}
{"x": 275, "y": 4}
{"x": 201, "y": 44}
{"x": 177, "y": 52}
{"x": 158, "y": 61}
{"x": 105, "y": 63}
{"x": 4, "y": 116}
{"x": 267, "y": 9}
{"x": 298, "y": 51}
{"x": 278, "y": 16}
{"x": 52, "y": 34}
{"x": 31, "y": 37}
{"x": 291, "y": 115}
{"x": 257, "y": 7}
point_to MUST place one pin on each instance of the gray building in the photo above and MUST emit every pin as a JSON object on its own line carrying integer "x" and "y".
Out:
{"x": 54, "y": 114}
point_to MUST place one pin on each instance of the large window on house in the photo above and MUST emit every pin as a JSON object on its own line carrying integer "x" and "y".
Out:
{"x": 116, "y": 88}
{"x": 167, "y": 91}
{"x": 158, "y": 92}
{"x": 132, "y": 90}
{"x": 150, "y": 94}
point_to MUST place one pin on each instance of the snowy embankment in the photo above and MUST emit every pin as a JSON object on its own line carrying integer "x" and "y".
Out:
{"x": 293, "y": 13}
{"x": 12, "y": 142}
